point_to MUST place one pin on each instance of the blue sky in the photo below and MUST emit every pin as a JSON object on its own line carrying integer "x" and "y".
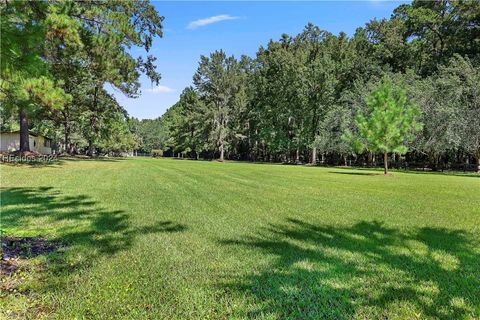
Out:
{"x": 197, "y": 28}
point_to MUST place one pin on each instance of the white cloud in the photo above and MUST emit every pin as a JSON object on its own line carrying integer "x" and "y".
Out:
{"x": 160, "y": 89}
{"x": 204, "y": 22}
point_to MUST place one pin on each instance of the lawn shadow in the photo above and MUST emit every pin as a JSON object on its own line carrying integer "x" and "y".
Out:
{"x": 57, "y": 162}
{"x": 54, "y": 163}
{"x": 93, "y": 159}
{"x": 79, "y": 223}
{"x": 358, "y": 173}
{"x": 469, "y": 174}
{"x": 366, "y": 270}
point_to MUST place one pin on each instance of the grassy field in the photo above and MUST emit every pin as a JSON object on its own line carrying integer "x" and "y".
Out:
{"x": 170, "y": 239}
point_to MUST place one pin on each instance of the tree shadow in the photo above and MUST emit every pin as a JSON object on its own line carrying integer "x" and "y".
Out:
{"x": 366, "y": 270}
{"x": 77, "y": 222}
{"x": 408, "y": 171}
{"x": 468, "y": 174}
{"x": 94, "y": 159}
{"x": 55, "y": 163}
{"x": 358, "y": 173}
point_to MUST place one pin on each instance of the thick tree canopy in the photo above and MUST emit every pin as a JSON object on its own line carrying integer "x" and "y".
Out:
{"x": 57, "y": 58}
{"x": 301, "y": 94}
{"x": 293, "y": 102}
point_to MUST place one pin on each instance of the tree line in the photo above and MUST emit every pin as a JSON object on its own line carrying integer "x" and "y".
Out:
{"x": 58, "y": 58}
{"x": 301, "y": 96}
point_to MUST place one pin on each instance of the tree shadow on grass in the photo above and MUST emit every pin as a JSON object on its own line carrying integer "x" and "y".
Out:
{"x": 379, "y": 171}
{"x": 58, "y": 162}
{"x": 362, "y": 271}
{"x": 55, "y": 163}
{"x": 359, "y": 173}
{"x": 94, "y": 159}
{"x": 77, "y": 222}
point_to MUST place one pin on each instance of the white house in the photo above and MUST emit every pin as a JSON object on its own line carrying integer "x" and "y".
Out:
{"x": 10, "y": 141}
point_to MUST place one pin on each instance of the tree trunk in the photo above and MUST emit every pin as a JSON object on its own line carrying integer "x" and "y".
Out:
{"x": 68, "y": 145}
{"x": 90, "y": 148}
{"x": 256, "y": 152}
{"x": 222, "y": 151}
{"x": 434, "y": 160}
{"x": 93, "y": 123}
{"x": 24, "y": 135}
{"x": 314, "y": 155}
{"x": 287, "y": 155}
{"x": 345, "y": 160}
{"x": 297, "y": 155}
{"x": 477, "y": 169}
{"x": 72, "y": 148}
{"x": 385, "y": 162}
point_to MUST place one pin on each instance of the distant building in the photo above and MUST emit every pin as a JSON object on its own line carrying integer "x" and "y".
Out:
{"x": 10, "y": 141}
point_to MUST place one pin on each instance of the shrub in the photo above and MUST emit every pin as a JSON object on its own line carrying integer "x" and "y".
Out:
{"x": 156, "y": 153}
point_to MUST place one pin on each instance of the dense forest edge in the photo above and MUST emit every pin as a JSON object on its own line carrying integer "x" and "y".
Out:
{"x": 297, "y": 98}
{"x": 297, "y": 101}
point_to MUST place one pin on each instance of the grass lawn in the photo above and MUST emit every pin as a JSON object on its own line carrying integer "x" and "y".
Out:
{"x": 170, "y": 239}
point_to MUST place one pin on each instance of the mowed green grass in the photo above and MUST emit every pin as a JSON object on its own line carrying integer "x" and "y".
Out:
{"x": 170, "y": 239}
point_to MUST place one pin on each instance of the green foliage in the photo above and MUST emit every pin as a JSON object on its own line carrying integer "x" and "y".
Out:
{"x": 297, "y": 98}
{"x": 330, "y": 138}
{"x": 293, "y": 101}
{"x": 437, "y": 30}
{"x": 157, "y": 153}
{"x": 391, "y": 122}
{"x": 149, "y": 134}
{"x": 25, "y": 82}
{"x": 220, "y": 84}
{"x": 58, "y": 56}
{"x": 459, "y": 82}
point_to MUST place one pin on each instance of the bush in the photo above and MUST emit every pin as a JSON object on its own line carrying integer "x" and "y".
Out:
{"x": 156, "y": 153}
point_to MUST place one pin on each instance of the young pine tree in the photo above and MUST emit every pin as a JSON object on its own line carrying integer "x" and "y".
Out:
{"x": 389, "y": 124}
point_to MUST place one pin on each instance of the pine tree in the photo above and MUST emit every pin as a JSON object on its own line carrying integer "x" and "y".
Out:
{"x": 389, "y": 124}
